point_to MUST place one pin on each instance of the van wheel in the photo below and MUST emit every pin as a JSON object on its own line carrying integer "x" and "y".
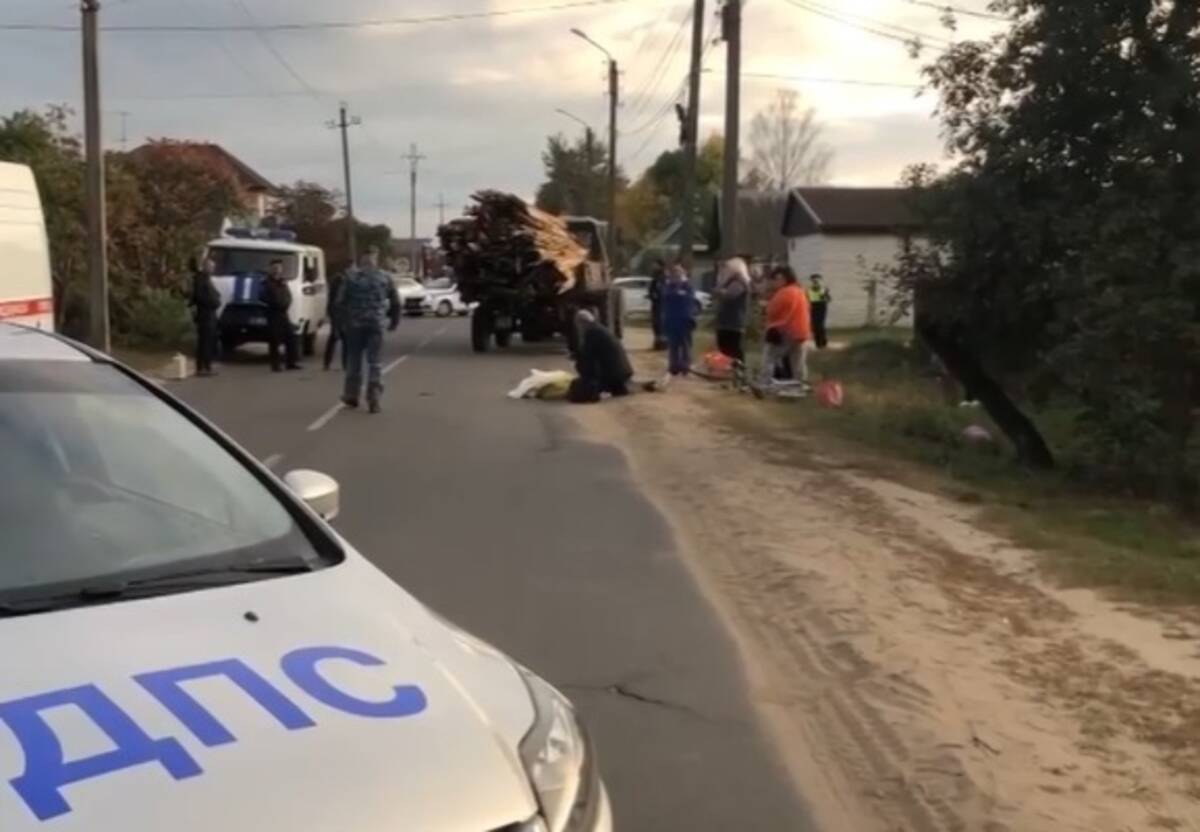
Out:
{"x": 229, "y": 346}
{"x": 481, "y": 330}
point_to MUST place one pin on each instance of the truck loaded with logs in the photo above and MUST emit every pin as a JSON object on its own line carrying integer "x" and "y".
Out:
{"x": 528, "y": 271}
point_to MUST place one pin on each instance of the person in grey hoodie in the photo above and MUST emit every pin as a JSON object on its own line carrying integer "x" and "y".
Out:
{"x": 732, "y": 295}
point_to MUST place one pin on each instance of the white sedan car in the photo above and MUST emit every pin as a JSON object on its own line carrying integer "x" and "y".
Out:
{"x": 443, "y": 299}
{"x": 413, "y": 295}
{"x": 636, "y": 293}
{"x": 189, "y": 645}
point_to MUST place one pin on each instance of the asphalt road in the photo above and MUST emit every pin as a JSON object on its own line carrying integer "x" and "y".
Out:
{"x": 501, "y": 517}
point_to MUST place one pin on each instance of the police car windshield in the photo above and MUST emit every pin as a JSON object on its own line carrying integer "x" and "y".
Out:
{"x": 102, "y": 481}
{"x": 253, "y": 261}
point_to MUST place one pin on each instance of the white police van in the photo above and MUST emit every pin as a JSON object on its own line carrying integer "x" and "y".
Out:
{"x": 187, "y": 645}
{"x": 242, "y": 258}
{"x": 26, "y": 293}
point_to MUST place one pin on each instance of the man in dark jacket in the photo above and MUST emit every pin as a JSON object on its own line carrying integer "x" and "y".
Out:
{"x": 336, "y": 336}
{"x": 277, "y": 297}
{"x": 658, "y": 280}
{"x": 205, "y": 301}
{"x": 601, "y": 362}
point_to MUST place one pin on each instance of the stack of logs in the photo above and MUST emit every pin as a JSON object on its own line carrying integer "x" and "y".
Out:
{"x": 505, "y": 241}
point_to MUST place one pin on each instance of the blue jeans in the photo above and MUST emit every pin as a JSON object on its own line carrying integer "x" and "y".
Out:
{"x": 363, "y": 342}
{"x": 679, "y": 353}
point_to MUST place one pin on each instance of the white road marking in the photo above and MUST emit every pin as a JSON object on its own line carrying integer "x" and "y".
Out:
{"x": 273, "y": 460}
{"x": 396, "y": 363}
{"x": 328, "y": 417}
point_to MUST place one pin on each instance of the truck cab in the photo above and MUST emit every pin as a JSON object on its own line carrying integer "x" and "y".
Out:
{"x": 242, "y": 259}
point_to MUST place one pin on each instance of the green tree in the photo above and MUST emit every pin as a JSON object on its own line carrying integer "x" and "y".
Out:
{"x": 1064, "y": 247}
{"x": 576, "y": 177}
{"x": 317, "y": 215}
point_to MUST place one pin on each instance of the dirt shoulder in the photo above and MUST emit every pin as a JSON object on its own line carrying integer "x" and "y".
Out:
{"x": 916, "y": 672}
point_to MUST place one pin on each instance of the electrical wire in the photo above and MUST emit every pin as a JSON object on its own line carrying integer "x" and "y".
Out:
{"x": 650, "y": 34}
{"x": 329, "y": 25}
{"x": 809, "y": 79}
{"x": 874, "y": 28}
{"x": 279, "y": 58}
{"x": 639, "y": 100}
{"x": 947, "y": 7}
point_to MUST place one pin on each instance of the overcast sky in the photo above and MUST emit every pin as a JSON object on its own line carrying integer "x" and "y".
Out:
{"x": 477, "y": 96}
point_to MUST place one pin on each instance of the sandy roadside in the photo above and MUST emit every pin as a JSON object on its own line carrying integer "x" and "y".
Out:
{"x": 915, "y": 672}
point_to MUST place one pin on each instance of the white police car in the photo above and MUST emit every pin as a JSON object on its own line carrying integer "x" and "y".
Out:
{"x": 186, "y": 645}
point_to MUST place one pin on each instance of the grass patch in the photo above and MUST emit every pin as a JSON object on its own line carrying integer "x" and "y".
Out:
{"x": 911, "y": 423}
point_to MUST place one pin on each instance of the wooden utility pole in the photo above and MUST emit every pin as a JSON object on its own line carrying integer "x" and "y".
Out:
{"x": 99, "y": 334}
{"x": 614, "y": 98}
{"x": 344, "y": 123}
{"x": 441, "y": 204}
{"x": 691, "y": 139}
{"x": 414, "y": 160}
{"x": 731, "y": 31}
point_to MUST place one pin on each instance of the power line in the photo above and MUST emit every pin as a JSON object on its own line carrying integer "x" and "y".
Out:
{"x": 651, "y": 33}
{"x": 853, "y": 18}
{"x": 270, "y": 47}
{"x": 809, "y": 79}
{"x": 639, "y": 100}
{"x": 946, "y": 7}
{"x": 873, "y": 28}
{"x": 329, "y": 25}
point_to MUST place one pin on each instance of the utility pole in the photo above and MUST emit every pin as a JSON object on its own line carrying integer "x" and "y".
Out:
{"x": 441, "y": 204}
{"x": 731, "y": 31}
{"x": 414, "y": 160}
{"x": 614, "y": 97}
{"x": 344, "y": 123}
{"x": 99, "y": 334}
{"x": 691, "y": 139}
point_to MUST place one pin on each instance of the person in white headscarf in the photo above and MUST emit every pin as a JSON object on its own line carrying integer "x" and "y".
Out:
{"x": 732, "y": 295}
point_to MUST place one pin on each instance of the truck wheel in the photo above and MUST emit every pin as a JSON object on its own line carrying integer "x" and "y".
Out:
{"x": 504, "y": 339}
{"x": 481, "y": 330}
{"x": 308, "y": 343}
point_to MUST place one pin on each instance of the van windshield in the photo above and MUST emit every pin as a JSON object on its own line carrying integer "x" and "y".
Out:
{"x": 230, "y": 260}
{"x": 101, "y": 481}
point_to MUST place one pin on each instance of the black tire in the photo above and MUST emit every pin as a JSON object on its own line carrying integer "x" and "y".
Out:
{"x": 504, "y": 339}
{"x": 481, "y": 330}
{"x": 616, "y": 305}
{"x": 444, "y": 309}
{"x": 308, "y": 343}
{"x": 229, "y": 345}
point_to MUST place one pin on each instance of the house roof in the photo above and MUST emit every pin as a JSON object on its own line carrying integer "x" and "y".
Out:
{"x": 848, "y": 211}
{"x": 760, "y": 224}
{"x": 249, "y": 178}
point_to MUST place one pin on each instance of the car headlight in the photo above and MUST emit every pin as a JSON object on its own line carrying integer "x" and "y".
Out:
{"x": 559, "y": 761}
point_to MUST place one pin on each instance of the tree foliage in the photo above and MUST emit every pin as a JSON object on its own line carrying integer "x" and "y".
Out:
{"x": 786, "y": 149}
{"x": 576, "y": 177}
{"x": 1064, "y": 246}
{"x": 317, "y": 215}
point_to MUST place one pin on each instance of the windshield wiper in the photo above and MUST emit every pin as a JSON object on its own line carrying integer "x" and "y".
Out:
{"x": 165, "y": 584}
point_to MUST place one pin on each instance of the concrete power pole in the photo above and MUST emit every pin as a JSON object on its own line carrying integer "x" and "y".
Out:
{"x": 99, "y": 334}
{"x": 414, "y": 160}
{"x": 731, "y": 31}
{"x": 344, "y": 123}
{"x": 441, "y": 204}
{"x": 691, "y": 140}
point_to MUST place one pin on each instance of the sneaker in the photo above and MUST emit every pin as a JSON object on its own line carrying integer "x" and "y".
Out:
{"x": 350, "y": 403}
{"x": 374, "y": 406}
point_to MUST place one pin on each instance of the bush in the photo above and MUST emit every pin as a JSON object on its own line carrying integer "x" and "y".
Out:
{"x": 152, "y": 319}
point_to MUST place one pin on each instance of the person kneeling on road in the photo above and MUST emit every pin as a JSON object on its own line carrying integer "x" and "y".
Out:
{"x": 367, "y": 301}
{"x": 601, "y": 362}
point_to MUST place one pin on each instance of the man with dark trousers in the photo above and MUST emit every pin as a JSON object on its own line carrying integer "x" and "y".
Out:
{"x": 205, "y": 301}
{"x": 281, "y": 336}
{"x": 336, "y": 335}
{"x": 658, "y": 282}
{"x": 819, "y": 298}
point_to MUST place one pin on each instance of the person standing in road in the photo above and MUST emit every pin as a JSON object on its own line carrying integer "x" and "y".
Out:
{"x": 678, "y": 320}
{"x": 205, "y": 301}
{"x": 336, "y": 336}
{"x": 819, "y": 298}
{"x": 654, "y": 293}
{"x": 789, "y": 328}
{"x": 733, "y": 308}
{"x": 367, "y": 302}
{"x": 281, "y": 335}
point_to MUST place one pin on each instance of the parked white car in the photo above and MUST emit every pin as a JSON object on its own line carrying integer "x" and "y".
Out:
{"x": 413, "y": 295}
{"x": 189, "y": 645}
{"x": 636, "y": 293}
{"x": 443, "y": 299}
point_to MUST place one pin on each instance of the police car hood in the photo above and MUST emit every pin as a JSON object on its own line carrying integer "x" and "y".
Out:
{"x": 331, "y": 702}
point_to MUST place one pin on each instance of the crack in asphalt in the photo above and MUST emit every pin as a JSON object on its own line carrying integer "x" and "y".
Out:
{"x": 624, "y": 691}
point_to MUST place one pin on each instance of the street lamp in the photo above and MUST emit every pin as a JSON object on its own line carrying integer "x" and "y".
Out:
{"x": 613, "y": 100}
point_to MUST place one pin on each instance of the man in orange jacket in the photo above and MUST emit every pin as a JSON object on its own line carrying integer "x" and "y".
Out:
{"x": 789, "y": 327}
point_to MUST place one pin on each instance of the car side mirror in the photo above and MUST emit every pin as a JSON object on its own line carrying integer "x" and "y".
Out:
{"x": 319, "y": 492}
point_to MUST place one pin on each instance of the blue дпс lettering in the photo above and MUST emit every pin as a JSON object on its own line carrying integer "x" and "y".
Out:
{"x": 47, "y": 771}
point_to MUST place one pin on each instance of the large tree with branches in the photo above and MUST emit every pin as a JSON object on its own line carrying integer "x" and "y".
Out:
{"x": 786, "y": 147}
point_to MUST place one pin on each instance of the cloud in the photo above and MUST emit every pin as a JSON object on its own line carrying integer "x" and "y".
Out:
{"x": 479, "y": 97}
